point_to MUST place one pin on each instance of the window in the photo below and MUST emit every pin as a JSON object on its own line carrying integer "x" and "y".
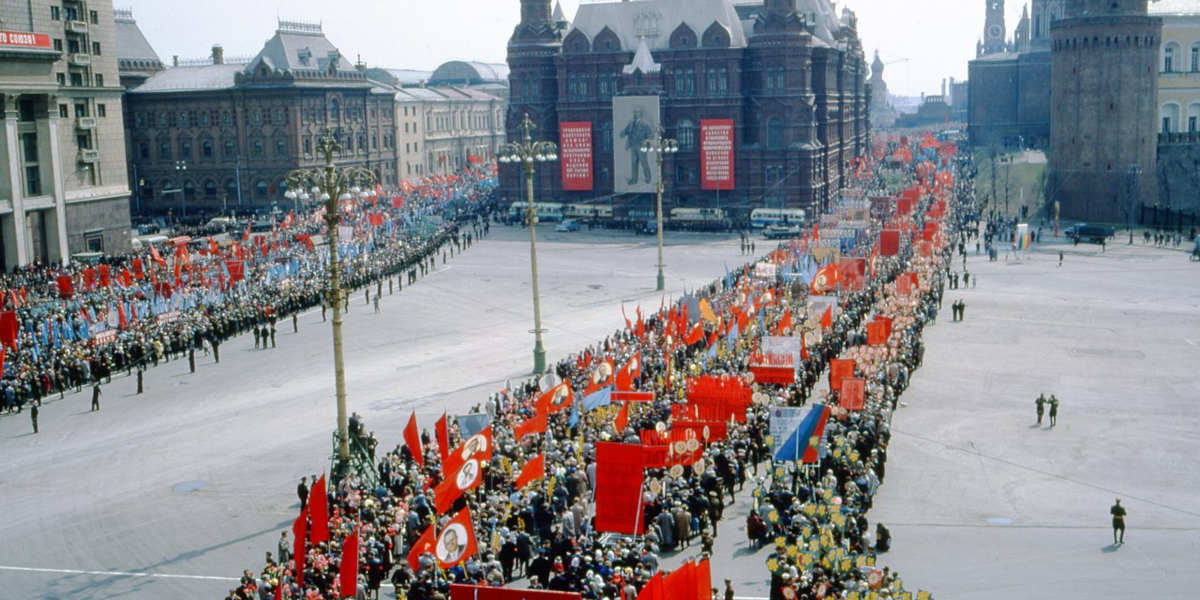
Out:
{"x": 210, "y": 188}
{"x": 63, "y": 112}
{"x": 206, "y": 149}
{"x": 775, "y": 78}
{"x": 335, "y": 110}
{"x": 775, "y": 133}
{"x": 96, "y": 48}
{"x": 29, "y": 159}
{"x": 84, "y": 141}
{"x": 1196, "y": 58}
{"x": 687, "y": 135}
{"x": 261, "y": 188}
{"x": 307, "y": 145}
{"x": 231, "y": 188}
{"x": 204, "y": 119}
{"x": 228, "y": 144}
{"x": 189, "y": 190}
{"x": 1168, "y": 59}
{"x": 55, "y": 13}
{"x": 70, "y": 13}
{"x": 606, "y": 137}
{"x": 164, "y": 151}
{"x": 61, "y": 77}
{"x": 94, "y": 242}
{"x": 76, "y": 79}
{"x": 185, "y": 148}
{"x": 94, "y": 17}
{"x": 258, "y": 149}
{"x": 101, "y": 110}
{"x": 1166, "y": 125}
{"x": 1191, "y": 124}
{"x": 144, "y": 150}
{"x": 73, "y": 46}
{"x": 81, "y": 109}
{"x": 58, "y": 45}
{"x": 147, "y": 190}
{"x": 280, "y": 147}
{"x": 99, "y": 80}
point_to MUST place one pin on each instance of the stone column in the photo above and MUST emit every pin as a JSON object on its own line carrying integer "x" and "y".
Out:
{"x": 60, "y": 195}
{"x": 15, "y": 249}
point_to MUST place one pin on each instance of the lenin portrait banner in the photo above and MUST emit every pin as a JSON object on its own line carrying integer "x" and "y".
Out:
{"x": 576, "y": 155}
{"x": 716, "y": 154}
{"x": 635, "y": 120}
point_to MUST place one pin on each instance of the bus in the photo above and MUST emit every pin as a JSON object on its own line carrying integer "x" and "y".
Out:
{"x": 763, "y": 217}
{"x": 588, "y": 212}
{"x": 699, "y": 219}
{"x": 546, "y": 211}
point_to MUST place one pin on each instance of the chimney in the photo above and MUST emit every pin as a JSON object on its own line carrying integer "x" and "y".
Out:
{"x": 175, "y": 60}
{"x": 218, "y": 54}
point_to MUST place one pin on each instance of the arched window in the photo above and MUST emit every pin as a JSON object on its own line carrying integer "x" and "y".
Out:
{"x": 335, "y": 110}
{"x": 1170, "y": 118}
{"x": 210, "y": 188}
{"x": 189, "y": 189}
{"x": 260, "y": 188}
{"x": 229, "y": 150}
{"x": 147, "y": 190}
{"x": 1195, "y": 58}
{"x": 231, "y": 188}
{"x": 1170, "y": 56}
{"x": 185, "y": 147}
{"x": 258, "y": 149}
{"x": 1193, "y": 117}
{"x": 280, "y": 147}
{"x": 686, "y": 130}
{"x": 774, "y": 133}
{"x": 206, "y": 149}
{"x": 606, "y": 137}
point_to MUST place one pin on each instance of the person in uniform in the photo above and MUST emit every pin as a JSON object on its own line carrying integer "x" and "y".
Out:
{"x": 302, "y": 492}
{"x": 33, "y": 414}
{"x": 96, "y": 396}
{"x": 1118, "y": 522}
{"x": 1041, "y": 407}
{"x": 1053, "y": 410}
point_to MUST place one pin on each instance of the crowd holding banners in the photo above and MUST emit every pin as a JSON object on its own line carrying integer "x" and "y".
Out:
{"x": 552, "y": 502}
{"x": 64, "y": 327}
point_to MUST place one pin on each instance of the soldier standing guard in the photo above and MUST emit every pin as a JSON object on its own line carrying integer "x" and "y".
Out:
{"x": 1053, "y": 410}
{"x": 96, "y": 396}
{"x": 1118, "y": 522}
{"x": 1041, "y": 407}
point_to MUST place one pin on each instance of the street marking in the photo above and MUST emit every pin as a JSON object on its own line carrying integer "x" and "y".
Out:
{"x": 116, "y": 573}
{"x": 1189, "y": 341}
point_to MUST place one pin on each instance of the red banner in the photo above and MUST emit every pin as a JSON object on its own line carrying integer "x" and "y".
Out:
{"x": 619, "y": 487}
{"x": 716, "y": 154}
{"x": 839, "y": 369}
{"x": 23, "y": 39}
{"x": 877, "y": 333}
{"x": 889, "y": 242}
{"x": 478, "y": 592}
{"x": 576, "y": 155}
{"x": 852, "y": 396}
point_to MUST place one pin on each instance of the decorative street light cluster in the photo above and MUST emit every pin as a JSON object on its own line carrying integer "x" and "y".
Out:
{"x": 333, "y": 185}
{"x": 527, "y": 152}
{"x": 660, "y": 146}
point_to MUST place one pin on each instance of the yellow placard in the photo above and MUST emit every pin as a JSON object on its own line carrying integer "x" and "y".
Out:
{"x": 860, "y": 562}
{"x": 922, "y": 595}
{"x": 845, "y": 565}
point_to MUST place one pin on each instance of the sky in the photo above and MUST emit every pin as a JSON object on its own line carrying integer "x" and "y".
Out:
{"x": 924, "y": 41}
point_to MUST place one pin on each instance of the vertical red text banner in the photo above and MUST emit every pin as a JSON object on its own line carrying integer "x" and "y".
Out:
{"x": 576, "y": 155}
{"x": 716, "y": 154}
{"x": 619, "y": 487}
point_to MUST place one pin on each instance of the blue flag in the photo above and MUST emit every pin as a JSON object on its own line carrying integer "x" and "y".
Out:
{"x": 793, "y": 448}
{"x": 473, "y": 423}
{"x": 574, "y": 419}
{"x": 598, "y": 398}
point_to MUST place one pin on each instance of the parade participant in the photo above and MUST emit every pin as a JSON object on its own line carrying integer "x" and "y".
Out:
{"x": 1040, "y": 403}
{"x": 96, "y": 396}
{"x": 1053, "y": 410}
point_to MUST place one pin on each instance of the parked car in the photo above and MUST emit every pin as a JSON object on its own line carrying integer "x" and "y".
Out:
{"x": 568, "y": 225}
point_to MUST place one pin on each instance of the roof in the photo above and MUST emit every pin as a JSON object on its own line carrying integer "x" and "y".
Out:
{"x": 655, "y": 20}
{"x": 642, "y": 60}
{"x": 131, "y": 43}
{"x": 299, "y": 47}
{"x": 399, "y": 77}
{"x": 822, "y": 18}
{"x": 469, "y": 73}
{"x": 190, "y": 79}
{"x": 443, "y": 94}
{"x": 1175, "y": 7}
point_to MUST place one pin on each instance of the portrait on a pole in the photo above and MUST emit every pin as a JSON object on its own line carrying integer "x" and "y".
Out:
{"x": 635, "y": 120}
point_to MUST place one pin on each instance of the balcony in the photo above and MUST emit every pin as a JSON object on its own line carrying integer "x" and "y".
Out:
{"x": 77, "y": 26}
{"x": 79, "y": 59}
{"x": 85, "y": 123}
{"x": 89, "y": 156}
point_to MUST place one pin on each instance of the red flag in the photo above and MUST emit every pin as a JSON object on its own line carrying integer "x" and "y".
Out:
{"x": 877, "y": 333}
{"x": 348, "y": 569}
{"x": 812, "y": 452}
{"x": 459, "y": 480}
{"x": 66, "y": 289}
{"x": 826, "y": 279}
{"x": 105, "y": 275}
{"x": 412, "y": 438}
{"x": 299, "y": 529}
{"x": 138, "y": 271}
{"x": 9, "y": 329}
{"x": 534, "y": 469}
{"x": 622, "y": 418}
{"x": 803, "y": 348}
{"x": 2, "y": 351}
{"x": 619, "y": 478}
{"x": 681, "y": 583}
{"x": 157, "y": 257}
{"x": 703, "y": 580}
{"x": 478, "y": 446}
{"x": 443, "y": 439}
{"x": 423, "y": 545}
{"x": 531, "y": 426}
{"x": 555, "y": 399}
{"x": 456, "y": 541}
{"x": 827, "y": 318}
{"x": 852, "y": 394}
{"x": 318, "y": 509}
{"x": 785, "y": 323}
{"x": 122, "y": 322}
{"x": 279, "y": 588}
{"x": 839, "y": 369}
{"x": 654, "y": 589}
{"x": 694, "y": 335}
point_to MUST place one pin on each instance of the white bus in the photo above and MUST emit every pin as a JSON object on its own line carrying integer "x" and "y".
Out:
{"x": 588, "y": 212}
{"x": 707, "y": 219}
{"x": 763, "y": 217}
{"x": 546, "y": 211}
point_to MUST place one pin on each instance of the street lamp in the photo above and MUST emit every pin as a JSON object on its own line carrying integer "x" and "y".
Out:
{"x": 527, "y": 152}
{"x": 333, "y": 185}
{"x": 180, "y": 167}
{"x": 1135, "y": 172}
{"x": 660, "y": 147}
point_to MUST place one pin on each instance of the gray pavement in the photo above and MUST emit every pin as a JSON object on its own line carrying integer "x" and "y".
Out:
{"x": 173, "y": 493}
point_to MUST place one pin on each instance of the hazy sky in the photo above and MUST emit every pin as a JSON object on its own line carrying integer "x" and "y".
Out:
{"x": 937, "y": 37}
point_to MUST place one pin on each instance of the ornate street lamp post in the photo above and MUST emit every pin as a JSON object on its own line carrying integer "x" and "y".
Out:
{"x": 333, "y": 185}
{"x": 527, "y": 152}
{"x": 660, "y": 147}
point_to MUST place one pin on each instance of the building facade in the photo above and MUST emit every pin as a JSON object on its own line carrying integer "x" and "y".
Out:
{"x": 63, "y": 188}
{"x": 1179, "y": 107}
{"x": 883, "y": 116}
{"x": 1103, "y": 138}
{"x": 1008, "y": 96}
{"x": 210, "y": 137}
{"x": 789, "y": 74}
